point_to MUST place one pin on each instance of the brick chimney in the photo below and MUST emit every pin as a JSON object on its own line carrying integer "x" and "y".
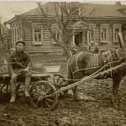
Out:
{"x": 118, "y": 3}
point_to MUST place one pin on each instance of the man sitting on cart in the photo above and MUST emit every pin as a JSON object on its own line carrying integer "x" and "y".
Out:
{"x": 19, "y": 66}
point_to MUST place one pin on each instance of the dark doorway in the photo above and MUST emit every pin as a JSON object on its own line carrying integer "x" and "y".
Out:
{"x": 78, "y": 38}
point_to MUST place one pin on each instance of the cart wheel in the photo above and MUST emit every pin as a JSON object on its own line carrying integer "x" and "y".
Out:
{"x": 59, "y": 80}
{"x": 41, "y": 93}
{"x": 4, "y": 88}
{"x": 4, "y": 93}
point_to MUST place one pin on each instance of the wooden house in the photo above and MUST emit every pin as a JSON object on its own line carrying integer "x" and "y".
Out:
{"x": 106, "y": 20}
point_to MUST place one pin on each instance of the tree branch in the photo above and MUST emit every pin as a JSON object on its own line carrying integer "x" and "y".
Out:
{"x": 49, "y": 25}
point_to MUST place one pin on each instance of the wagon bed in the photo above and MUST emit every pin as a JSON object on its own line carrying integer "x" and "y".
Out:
{"x": 41, "y": 85}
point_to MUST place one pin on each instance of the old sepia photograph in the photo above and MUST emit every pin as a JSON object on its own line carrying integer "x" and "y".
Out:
{"x": 63, "y": 63}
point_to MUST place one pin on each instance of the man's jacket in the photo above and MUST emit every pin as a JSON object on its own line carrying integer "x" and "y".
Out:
{"x": 19, "y": 60}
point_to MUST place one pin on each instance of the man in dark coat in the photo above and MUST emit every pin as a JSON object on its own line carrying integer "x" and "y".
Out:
{"x": 19, "y": 65}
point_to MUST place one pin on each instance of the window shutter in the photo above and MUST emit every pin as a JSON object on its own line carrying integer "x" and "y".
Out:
{"x": 116, "y": 30}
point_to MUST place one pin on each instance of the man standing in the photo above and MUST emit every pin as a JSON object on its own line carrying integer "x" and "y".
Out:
{"x": 19, "y": 65}
{"x": 96, "y": 49}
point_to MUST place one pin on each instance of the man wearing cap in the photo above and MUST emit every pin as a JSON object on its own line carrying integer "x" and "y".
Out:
{"x": 19, "y": 65}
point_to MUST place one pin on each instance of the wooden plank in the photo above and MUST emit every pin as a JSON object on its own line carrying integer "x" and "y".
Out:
{"x": 52, "y": 69}
{"x": 92, "y": 76}
{"x": 33, "y": 75}
{"x": 85, "y": 79}
{"x": 37, "y": 75}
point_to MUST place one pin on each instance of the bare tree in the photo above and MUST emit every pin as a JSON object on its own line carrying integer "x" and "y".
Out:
{"x": 4, "y": 39}
{"x": 2, "y": 44}
{"x": 65, "y": 15}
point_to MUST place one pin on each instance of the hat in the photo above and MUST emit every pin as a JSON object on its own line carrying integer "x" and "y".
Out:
{"x": 20, "y": 42}
{"x": 74, "y": 49}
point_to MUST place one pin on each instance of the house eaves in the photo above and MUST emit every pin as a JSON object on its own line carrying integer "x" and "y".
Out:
{"x": 101, "y": 12}
{"x": 10, "y": 21}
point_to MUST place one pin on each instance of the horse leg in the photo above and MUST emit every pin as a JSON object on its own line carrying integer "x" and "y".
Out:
{"x": 76, "y": 96}
{"x": 69, "y": 79}
{"x": 116, "y": 82}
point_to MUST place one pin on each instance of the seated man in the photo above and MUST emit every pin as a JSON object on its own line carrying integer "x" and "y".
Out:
{"x": 19, "y": 65}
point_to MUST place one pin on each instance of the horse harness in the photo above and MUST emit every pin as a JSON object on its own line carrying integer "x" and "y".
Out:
{"x": 78, "y": 55}
{"x": 108, "y": 62}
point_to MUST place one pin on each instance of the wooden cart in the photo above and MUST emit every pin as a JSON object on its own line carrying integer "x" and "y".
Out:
{"x": 41, "y": 85}
{"x": 45, "y": 88}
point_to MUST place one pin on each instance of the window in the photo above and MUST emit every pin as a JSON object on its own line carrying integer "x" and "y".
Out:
{"x": 91, "y": 36}
{"x": 116, "y": 30}
{"x": 13, "y": 36}
{"x": 104, "y": 29}
{"x": 19, "y": 36}
{"x": 16, "y": 34}
{"x": 91, "y": 33}
{"x": 56, "y": 33}
{"x": 37, "y": 35}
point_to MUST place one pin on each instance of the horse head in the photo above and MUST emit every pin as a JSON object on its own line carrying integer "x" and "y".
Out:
{"x": 113, "y": 55}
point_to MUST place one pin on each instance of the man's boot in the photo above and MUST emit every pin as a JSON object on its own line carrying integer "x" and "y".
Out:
{"x": 13, "y": 97}
{"x": 27, "y": 93}
{"x": 13, "y": 89}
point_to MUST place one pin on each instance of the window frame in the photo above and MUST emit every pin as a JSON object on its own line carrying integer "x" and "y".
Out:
{"x": 57, "y": 33}
{"x": 16, "y": 33}
{"x": 104, "y": 26}
{"x": 91, "y": 34}
{"x": 34, "y": 27}
{"x": 19, "y": 33}
{"x": 116, "y": 26}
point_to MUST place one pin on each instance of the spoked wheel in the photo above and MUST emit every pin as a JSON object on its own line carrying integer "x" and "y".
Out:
{"x": 42, "y": 94}
{"x": 4, "y": 93}
{"x": 4, "y": 88}
{"x": 59, "y": 80}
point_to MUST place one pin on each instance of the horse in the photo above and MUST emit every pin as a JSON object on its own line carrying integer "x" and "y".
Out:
{"x": 86, "y": 63}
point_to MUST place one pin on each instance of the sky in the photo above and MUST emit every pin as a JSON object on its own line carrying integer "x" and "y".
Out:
{"x": 9, "y": 8}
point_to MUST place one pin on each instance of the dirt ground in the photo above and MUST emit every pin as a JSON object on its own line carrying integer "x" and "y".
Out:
{"x": 86, "y": 112}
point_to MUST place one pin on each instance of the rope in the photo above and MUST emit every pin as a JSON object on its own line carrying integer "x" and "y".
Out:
{"x": 96, "y": 67}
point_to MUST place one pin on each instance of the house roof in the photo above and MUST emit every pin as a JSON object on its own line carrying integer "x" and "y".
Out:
{"x": 48, "y": 7}
{"x": 86, "y": 10}
{"x": 102, "y": 10}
